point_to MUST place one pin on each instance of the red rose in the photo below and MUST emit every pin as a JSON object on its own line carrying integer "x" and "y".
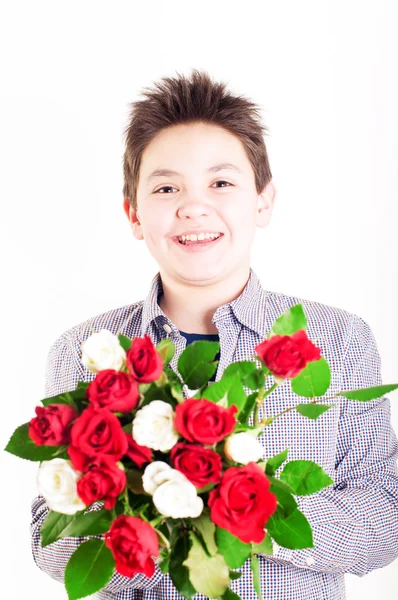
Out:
{"x": 114, "y": 390}
{"x": 242, "y": 503}
{"x": 200, "y": 465}
{"x": 132, "y": 542}
{"x": 96, "y": 432}
{"x": 51, "y": 426}
{"x": 104, "y": 480}
{"x": 204, "y": 421}
{"x": 286, "y": 356}
{"x": 143, "y": 361}
{"x": 138, "y": 454}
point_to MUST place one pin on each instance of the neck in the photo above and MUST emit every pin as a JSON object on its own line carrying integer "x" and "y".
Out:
{"x": 191, "y": 305}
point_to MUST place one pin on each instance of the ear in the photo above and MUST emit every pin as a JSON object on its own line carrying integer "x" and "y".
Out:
{"x": 132, "y": 216}
{"x": 265, "y": 204}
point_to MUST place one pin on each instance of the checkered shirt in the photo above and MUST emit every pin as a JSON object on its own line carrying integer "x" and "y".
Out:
{"x": 354, "y": 520}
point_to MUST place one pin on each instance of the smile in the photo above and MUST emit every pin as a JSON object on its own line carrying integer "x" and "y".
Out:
{"x": 199, "y": 246}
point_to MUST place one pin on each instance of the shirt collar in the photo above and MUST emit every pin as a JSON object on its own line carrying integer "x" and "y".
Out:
{"x": 249, "y": 308}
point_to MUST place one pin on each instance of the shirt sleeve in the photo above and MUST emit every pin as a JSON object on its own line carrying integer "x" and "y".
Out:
{"x": 63, "y": 371}
{"x": 355, "y": 521}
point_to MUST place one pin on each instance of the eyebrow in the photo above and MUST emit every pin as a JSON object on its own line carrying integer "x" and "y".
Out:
{"x": 213, "y": 169}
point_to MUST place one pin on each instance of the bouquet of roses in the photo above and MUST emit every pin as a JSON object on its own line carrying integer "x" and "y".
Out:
{"x": 151, "y": 477}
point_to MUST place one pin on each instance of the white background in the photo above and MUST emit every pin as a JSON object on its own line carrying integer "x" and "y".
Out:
{"x": 325, "y": 74}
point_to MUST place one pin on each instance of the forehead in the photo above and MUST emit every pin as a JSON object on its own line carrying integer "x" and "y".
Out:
{"x": 185, "y": 148}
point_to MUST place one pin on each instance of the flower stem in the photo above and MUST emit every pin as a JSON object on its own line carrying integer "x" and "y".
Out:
{"x": 156, "y": 521}
{"x": 268, "y": 421}
{"x": 127, "y": 508}
{"x": 260, "y": 397}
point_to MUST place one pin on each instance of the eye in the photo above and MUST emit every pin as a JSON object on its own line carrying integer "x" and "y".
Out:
{"x": 222, "y": 181}
{"x": 165, "y": 187}
{"x": 168, "y": 187}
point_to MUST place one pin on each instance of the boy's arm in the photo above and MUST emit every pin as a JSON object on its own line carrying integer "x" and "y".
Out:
{"x": 355, "y": 521}
{"x": 63, "y": 371}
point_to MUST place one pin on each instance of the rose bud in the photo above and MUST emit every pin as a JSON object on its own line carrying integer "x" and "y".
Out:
{"x": 286, "y": 356}
{"x": 143, "y": 361}
{"x": 101, "y": 351}
{"x": 132, "y": 542}
{"x": 51, "y": 426}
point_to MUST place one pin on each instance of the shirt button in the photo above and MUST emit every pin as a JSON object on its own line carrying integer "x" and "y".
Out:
{"x": 167, "y": 328}
{"x": 310, "y": 560}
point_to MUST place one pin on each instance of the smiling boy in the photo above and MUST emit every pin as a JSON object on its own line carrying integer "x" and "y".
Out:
{"x": 202, "y": 194}
{"x": 196, "y": 163}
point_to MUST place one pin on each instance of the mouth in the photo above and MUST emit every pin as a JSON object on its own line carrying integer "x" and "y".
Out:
{"x": 198, "y": 246}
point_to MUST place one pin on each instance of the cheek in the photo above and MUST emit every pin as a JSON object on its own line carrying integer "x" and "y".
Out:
{"x": 240, "y": 222}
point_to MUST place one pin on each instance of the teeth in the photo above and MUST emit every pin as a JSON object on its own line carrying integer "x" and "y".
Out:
{"x": 202, "y": 236}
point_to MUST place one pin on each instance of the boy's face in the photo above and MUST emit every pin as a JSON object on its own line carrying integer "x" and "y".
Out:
{"x": 169, "y": 205}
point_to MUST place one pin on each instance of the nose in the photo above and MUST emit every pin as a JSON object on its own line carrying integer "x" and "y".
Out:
{"x": 193, "y": 209}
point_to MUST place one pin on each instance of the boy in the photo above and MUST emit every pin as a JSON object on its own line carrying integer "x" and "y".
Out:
{"x": 196, "y": 163}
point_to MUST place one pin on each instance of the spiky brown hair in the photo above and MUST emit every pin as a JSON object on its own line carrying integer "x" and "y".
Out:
{"x": 194, "y": 99}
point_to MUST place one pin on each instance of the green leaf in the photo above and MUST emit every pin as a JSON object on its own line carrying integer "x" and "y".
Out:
{"x": 248, "y": 408}
{"x": 230, "y": 595}
{"x": 312, "y": 411}
{"x": 241, "y": 368}
{"x": 166, "y": 349}
{"x": 163, "y": 537}
{"x": 76, "y": 398}
{"x": 208, "y": 574}
{"x": 286, "y": 501}
{"x": 275, "y": 462}
{"x": 163, "y": 392}
{"x": 305, "y": 477}
{"x": 255, "y": 431}
{"x": 175, "y": 385}
{"x": 65, "y": 398}
{"x": 313, "y": 380}
{"x": 366, "y": 394}
{"x": 248, "y": 373}
{"x": 83, "y": 385}
{"x": 207, "y": 529}
{"x": 195, "y": 363}
{"x": 96, "y": 522}
{"x": 255, "y": 567}
{"x": 179, "y": 573}
{"x": 265, "y": 547}
{"x": 89, "y": 569}
{"x": 22, "y": 445}
{"x": 205, "y": 488}
{"x": 124, "y": 341}
{"x": 231, "y": 387}
{"x": 53, "y": 526}
{"x": 294, "y": 532}
{"x": 128, "y": 428}
{"x": 164, "y": 565}
{"x": 232, "y": 548}
{"x": 222, "y": 402}
{"x": 275, "y": 482}
{"x": 290, "y": 321}
{"x": 57, "y": 525}
{"x": 256, "y": 379}
{"x": 235, "y": 574}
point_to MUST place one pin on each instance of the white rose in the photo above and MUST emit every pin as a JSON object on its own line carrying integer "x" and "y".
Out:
{"x": 177, "y": 498}
{"x": 153, "y": 426}
{"x": 155, "y": 474}
{"x": 243, "y": 448}
{"x": 56, "y": 481}
{"x": 101, "y": 351}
